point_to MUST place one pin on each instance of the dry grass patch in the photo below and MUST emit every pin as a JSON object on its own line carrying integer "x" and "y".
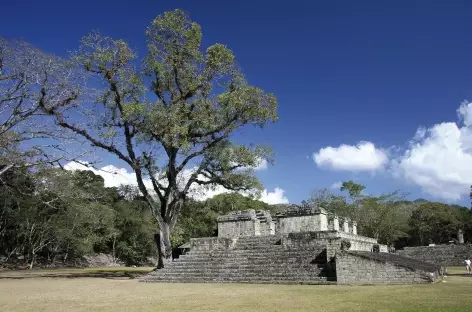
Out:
{"x": 98, "y": 294}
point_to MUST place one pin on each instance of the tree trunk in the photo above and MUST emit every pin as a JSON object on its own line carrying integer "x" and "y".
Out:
{"x": 114, "y": 249}
{"x": 164, "y": 247}
{"x": 32, "y": 262}
{"x": 66, "y": 254}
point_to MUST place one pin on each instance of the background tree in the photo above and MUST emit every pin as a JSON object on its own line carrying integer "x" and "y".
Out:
{"x": 384, "y": 217}
{"x": 182, "y": 137}
{"x": 51, "y": 216}
{"x": 434, "y": 223}
{"x": 27, "y": 77}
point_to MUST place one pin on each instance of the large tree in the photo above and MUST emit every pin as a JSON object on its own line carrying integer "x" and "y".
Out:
{"x": 172, "y": 121}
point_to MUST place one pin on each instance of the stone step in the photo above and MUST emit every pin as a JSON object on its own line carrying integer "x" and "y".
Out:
{"x": 235, "y": 264}
{"x": 251, "y": 252}
{"x": 241, "y": 274}
{"x": 257, "y": 267}
{"x": 245, "y": 268}
{"x": 247, "y": 264}
{"x": 242, "y": 256}
{"x": 255, "y": 260}
{"x": 269, "y": 248}
{"x": 183, "y": 275}
{"x": 237, "y": 279}
{"x": 277, "y": 263}
{"x": 311, "y": 281}
{"x": 251, "y": 260}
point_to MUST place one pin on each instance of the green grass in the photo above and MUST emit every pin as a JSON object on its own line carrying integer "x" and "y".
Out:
{"x": 108, "y": 294}
{"x": 456, "y": 270}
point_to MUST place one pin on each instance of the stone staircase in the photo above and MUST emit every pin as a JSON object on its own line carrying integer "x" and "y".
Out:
{"x": 255, "y": 260}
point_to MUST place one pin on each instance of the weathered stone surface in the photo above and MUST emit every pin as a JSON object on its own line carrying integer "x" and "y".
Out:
{"x": 299, "y": 211}
{"x": 302, "y": 219}
{"x": 447, "y": 255}
{"x": 246, "y": 223}
{"x": 251, "y": 260}
{"x": 357, "y": 267}
{"x": 212, "y": 243}
{"x": 245, "y": 215}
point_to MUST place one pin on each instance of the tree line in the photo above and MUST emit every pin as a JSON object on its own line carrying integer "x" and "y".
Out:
{"x": 394, "y": 220}
{"x": 55, "y": 217}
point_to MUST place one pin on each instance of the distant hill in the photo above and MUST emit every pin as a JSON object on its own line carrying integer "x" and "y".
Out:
{"x": 420, "y": 201}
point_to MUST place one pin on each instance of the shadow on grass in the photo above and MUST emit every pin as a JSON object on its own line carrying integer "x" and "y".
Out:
{"x": 97, "y": 274}
{"x": 460, "y": 274}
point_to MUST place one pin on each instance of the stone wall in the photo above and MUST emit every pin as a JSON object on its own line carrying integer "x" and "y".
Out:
{"x": 331, "y": 240}
{"x": 366, "y": 268}
{"x": 447, "y": 255}
{"x": 361, "y": 243}
{"x": 239, "y": 228}
{"x": 212, "y": 243}
{"x": 246, "y": 223}
{"x": 306, "y": 239}
{"x": 297, "y": 219}
{"x": 301, "y": 224}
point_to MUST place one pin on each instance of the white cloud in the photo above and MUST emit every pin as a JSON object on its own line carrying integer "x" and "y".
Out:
{"x": 275, "y": 197}
{"x": 115, "y": 177}
{"x": 336, "y": 185}
{"x": 112, "y": 175}
{"x": 262, "y": 164}
{"x": 465, "y": 113}
{"x": 439, "y": 159}
{"x": 362, "y": 157}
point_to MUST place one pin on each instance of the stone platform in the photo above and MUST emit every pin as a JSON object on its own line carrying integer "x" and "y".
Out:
{"x": 256, "y": 260}
{"x": 303, "y": 245}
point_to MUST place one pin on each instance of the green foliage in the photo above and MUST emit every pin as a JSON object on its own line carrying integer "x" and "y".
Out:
{"x": 390, "y": 217}
{"x": 52, "y": 216}
{"x": 434, "y": 223}
{"x": 135, "y": 229}
{"x": 384, "y": 217}
{"x": 354, "y": 189}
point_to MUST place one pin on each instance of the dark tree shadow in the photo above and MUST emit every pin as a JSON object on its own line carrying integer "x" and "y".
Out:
{"x": 96, "y": 274}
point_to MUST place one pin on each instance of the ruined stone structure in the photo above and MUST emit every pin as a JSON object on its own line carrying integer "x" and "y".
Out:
{"x": 302, "y": 245}
{"x": 246, "y": 223}
{"x": 446, "y": 255}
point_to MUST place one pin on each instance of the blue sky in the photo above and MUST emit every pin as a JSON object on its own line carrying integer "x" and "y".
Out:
{"x": 344, "y": 72}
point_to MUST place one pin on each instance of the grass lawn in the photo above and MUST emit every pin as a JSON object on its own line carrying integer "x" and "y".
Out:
{"x": 37, "y": 293}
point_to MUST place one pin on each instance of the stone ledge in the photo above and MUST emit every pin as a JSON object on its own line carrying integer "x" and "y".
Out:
{"x": 300, "y": 211}
{"x": 244, "y": 215}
